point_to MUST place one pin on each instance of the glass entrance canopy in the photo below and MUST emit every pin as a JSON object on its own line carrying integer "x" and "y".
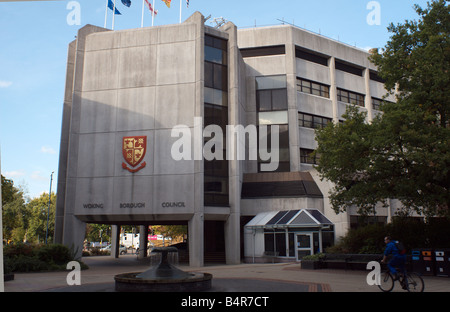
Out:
{"x": 302, "y": 218}
{"x": 288, "y": 234}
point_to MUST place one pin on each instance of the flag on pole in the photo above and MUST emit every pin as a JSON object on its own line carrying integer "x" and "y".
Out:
{"x": 167, "y": 2}
{"x": 187, "y": 3}
{"x": 111, "y": 6}
{"x": 154, "y": 12}
{"x": 126, "y": 2}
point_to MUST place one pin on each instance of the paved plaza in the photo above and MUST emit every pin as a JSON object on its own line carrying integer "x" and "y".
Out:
{"x": 264, "y": 278}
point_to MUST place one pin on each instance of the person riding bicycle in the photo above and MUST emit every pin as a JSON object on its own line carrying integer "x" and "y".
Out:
{"x": 398, "y": 260}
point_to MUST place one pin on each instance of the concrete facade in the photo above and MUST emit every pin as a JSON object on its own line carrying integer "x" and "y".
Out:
{"x": 143, "y": 82}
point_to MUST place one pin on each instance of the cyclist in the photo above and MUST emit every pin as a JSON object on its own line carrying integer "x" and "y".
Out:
{"x": 398, "y": 260}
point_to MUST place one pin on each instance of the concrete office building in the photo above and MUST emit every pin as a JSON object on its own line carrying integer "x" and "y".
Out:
{"x": 125, "y": 92}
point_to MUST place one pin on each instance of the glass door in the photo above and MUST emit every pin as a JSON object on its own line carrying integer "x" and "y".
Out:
{"x": 304, "y": 245}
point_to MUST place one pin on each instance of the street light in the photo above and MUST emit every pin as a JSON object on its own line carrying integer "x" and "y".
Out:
{"x": 48, "y": 209}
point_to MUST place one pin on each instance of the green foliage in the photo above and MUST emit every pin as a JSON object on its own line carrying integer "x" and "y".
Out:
{"x": 315, "y": 257}
{"x": 345, "y": 159}
{"x": 33, "y": 258}
{"x": 413, "y": 233}
{"x": 8, "y": 190}
{"x": 405, "y": 152}
{"x": 15, "y": 214}
{"x": 416, "y": 59}
{"x": 56, "y": 253}
{"x": 98, "y": 232}
{"x": 37, "y": 225}
{"x": 24, "y": 219}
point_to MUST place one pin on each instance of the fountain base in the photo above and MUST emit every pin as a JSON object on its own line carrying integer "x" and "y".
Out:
{"x": 129, "y": 282}
{"x": 163, "y": 278}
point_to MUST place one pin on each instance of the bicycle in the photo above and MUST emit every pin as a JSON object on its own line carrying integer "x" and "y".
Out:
{"x": 410, "y": 281}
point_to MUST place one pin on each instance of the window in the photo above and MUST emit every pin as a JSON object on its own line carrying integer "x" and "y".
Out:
{"x": 216, "y": 188}
{"x": 275, "y": 242}
{"x": 271, "y": 94}
{"x": 270, "y": 82}
{"x": 263, "y": 51}
{"x": 283, "y": 148}
{"x": 273, "y": 118}
{"x": 374, "y": 76}
{"x": 315, "y": 88}
{"x": 216, "y": 70}
{"x": 216, "y": 76}
{"x": 376, "y": 103}
{"x": 216, "y": 50}
{"x": 350, "y": 97}
{"x": 217, "y": 97}
{"x": 311, "y": 56}
{"x": 348, "y": 68}
{"x": 307, "y": 156}
{"x": 271, "y": 98}
{"x": 312, "y": 121}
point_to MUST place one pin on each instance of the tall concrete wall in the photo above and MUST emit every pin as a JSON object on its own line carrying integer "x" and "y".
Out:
{"x": 139, "y": 82}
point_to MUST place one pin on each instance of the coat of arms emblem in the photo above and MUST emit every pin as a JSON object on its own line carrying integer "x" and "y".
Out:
{"x": 133, "y": 150}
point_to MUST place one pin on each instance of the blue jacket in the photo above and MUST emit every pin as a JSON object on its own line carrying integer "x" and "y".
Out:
{"x": 391, "y": 249}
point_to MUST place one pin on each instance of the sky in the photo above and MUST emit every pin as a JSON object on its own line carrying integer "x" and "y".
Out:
{"x": 34, "y": 37}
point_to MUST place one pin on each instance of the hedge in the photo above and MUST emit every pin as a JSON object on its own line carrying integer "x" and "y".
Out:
{"x": 412, "y": 232}
{"x": 35, "y": 258}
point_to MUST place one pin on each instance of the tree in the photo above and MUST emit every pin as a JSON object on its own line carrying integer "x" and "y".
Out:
{"x": 98, "y": 232}
{"x": 7, "y": 190}
{"x": 416, "y": 61}
{"x": 37, "y": 225}
{"x": 405, "y": 152}
{"x": 15, "y": 215}
{"x": 172, "y": 231}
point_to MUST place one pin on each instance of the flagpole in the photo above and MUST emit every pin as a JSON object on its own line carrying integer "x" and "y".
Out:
{"x": 142, "y": 18}
{"x": 153, "y": 13}
{"x": 106, "y": 12}
{"x": 114, "y": 14}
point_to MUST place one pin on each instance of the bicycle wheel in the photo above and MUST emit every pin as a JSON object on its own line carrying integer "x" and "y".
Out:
{"x": 415, "y": 282}
{"x": 386, "y": 282}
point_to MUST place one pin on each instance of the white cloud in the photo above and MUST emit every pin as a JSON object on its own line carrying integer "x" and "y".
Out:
{"x": 5, "y": 84}
{"x": 14, "y": 174}
{"x": 37, "y": 175}
{"x": 47, "y": 150}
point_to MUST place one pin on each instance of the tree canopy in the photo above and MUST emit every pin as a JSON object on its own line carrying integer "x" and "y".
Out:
{"x": 404, "y": 153}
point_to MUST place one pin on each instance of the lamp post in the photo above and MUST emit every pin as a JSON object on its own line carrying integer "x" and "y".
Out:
{"x": 48, "y": 209}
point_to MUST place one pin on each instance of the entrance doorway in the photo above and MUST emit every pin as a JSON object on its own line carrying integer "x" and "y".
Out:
{"x": 304, "y": 245}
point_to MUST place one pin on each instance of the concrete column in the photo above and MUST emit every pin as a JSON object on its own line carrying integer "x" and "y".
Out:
{"x": 232, "y": 225}
{"x": 368, "y": 98}
{"x": 291, "y": 81}
{"x": 195, "y": 239}
{"x": 64, "y": 144}
{"x": 74, "y": 233}
{"x": 333, "y": 89}
{"x": 115, "y": 241}
{"x": 233, "y": 239}
{"x": 195, "y": 224}
{"x": 143, "y": 241}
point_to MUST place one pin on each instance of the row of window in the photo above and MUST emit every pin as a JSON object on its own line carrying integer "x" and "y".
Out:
{"x": 311, "y": 56}
{"x": 307, "y": 156}
{"x": 271, "y": 103}
{"x": 315, "y": 88}
{"x": 312, "y": 121}
{"x": 216, "y": 188}
{"x": 350, "y": 97}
